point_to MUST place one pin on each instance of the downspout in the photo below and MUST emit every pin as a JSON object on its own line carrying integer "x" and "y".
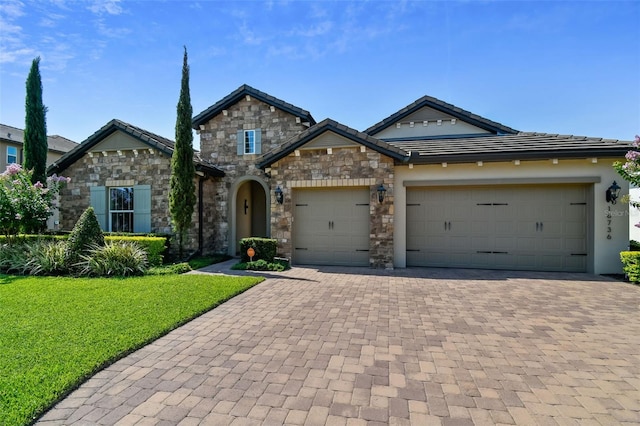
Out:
{"x": 200, "y": 214}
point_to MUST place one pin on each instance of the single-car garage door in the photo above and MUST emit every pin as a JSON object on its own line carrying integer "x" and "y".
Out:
{"x": 524, "y": 227}
{"x": 331, "y": 226}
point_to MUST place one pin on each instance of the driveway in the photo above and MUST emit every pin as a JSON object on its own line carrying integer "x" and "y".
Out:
{"x": 347, "y": 346}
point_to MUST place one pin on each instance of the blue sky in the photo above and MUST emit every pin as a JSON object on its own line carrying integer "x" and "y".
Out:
{"x": 544, "y": 66}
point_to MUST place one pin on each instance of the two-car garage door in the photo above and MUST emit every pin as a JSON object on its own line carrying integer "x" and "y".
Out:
{"x": 524, "y": 227}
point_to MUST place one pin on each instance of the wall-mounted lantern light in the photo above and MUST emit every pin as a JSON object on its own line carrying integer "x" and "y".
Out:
{"x": 279, "y": 195}
{"x": 382, "y": 191}
{"x": 613, "y": 192}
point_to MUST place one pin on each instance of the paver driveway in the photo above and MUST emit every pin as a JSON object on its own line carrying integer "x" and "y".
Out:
{"x": 352, "y": 346}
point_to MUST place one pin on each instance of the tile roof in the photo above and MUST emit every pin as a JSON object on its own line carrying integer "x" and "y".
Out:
{"x": 154, "y": 141}
{"x": 395, "y": 152}
{"x": 55, "y": 143}
{"x": 437, "y": 104}
{"x": 524, "y": 145}
{"x": 240, "y": 93}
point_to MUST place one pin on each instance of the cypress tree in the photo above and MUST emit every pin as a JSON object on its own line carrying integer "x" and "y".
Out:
{"x": 182, "y": 192}
{"x": 35, "y": 128}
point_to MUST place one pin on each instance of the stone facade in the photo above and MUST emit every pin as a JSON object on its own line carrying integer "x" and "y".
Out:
{"x": 349, "y": 166}
{"x": 129, "y": 168}
{"x": 218, "y": 144}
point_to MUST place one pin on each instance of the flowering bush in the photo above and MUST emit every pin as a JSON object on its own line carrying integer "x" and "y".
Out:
{"x": 25, "y": 207}
{"x": 630, "y": 170}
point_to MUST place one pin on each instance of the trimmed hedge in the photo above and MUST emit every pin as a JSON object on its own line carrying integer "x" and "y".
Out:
{"x": 631, "y": 265}
{"x": 27, "y": 238}
{"x": 634, "y": 245}
{"x": 265, "y": 248}
{"x": 154, "y": 246}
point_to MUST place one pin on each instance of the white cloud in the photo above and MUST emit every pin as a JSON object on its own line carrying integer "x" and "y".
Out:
{"x": 12, "y": 9}
{"x": 316, "y": 30}
{"x": 111, "y": 32}
{"x": 249, "y": 37}
{"x": 110, "y": 7}
{"x": 18, "y": 55}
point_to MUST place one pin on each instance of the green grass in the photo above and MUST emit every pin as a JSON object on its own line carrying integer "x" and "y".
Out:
{"x": 201, "y": 262}
{"x": 55, "y": 332}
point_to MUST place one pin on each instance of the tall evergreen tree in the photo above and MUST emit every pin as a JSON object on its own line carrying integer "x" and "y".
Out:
{"x": 182, "y": 192}
{"x": 35, "y": 128}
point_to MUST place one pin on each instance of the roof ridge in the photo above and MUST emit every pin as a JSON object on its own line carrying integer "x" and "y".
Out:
{"x": 235, "y": 96}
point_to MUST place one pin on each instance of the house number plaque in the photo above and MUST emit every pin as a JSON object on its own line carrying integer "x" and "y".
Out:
{"x": 608, "y": 222}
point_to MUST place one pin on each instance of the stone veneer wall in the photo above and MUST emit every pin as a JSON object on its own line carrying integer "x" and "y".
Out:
{"x": 128, "y": 169}
{"x": 343, "y": 167}
{"x": 218, "y": 144}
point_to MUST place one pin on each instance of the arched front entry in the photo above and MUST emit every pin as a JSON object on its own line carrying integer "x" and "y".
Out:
{"x": 250, "y": 211}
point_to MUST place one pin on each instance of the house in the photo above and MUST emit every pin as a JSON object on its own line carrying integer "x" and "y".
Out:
{"x": 430, "y": 185}
{"x": 12, "y": 141}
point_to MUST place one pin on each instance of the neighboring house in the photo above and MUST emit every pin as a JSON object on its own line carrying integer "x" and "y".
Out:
{"x": 12, "y": 141}
{"x": 430, "y": 185}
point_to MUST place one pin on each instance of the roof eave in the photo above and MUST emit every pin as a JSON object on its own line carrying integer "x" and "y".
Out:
{"x": 521, "y": 155}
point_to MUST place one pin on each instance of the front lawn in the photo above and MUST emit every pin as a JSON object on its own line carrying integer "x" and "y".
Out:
{"x": 55, "y": 332}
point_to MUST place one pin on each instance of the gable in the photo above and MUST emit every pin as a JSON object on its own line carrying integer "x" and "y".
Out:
{"x": 329, "y": 139}
{"x": 331, "y": 132}
{"x": 247, "y": 93}
{"x": 429, "y": 123}
{"x": 118, "y": 141}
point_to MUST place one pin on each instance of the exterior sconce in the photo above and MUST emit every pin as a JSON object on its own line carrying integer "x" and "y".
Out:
{"x": 613, "y": 192}
{"x": 279, "y": 195}
{"x": 382, "y": 191}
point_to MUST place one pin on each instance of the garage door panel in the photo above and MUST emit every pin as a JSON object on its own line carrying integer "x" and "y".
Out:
{"x": 576, "y": 245}
{"x": 576, "y": 263}
{"x": 458, "y": 243}
{"x": 506, "y": 227}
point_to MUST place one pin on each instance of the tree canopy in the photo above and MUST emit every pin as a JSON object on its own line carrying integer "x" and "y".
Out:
{"x": 35, "y": 128}
{"x": 182, "y": 195}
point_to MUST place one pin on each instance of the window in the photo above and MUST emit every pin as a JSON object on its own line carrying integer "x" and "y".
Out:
{"x": 121, "y": 209}
{"x": 249, "y": 141}
{"x": 12, "y": 154}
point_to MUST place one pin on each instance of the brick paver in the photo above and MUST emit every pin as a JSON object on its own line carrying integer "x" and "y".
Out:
{"x": 350, "y": 346}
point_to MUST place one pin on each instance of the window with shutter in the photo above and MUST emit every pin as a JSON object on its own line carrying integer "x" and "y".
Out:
{"x": 249, "y": 142}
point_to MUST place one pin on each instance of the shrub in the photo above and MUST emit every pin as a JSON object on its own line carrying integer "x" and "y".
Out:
{"x": 123, "y": 258}
{"x": 85, "y": 233}
{"x": 14, "y": 258}
{"x": 261, "y": 265}
{"x": 265, "y": 248}
{"x": 176, "y": 268}
{"x": 25, "y": 207}
{"x": 154, "y": 246}
{"x": 47, "y": 258}
{"x": 634, "y": 245}
{"x": 631, "y": 265}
